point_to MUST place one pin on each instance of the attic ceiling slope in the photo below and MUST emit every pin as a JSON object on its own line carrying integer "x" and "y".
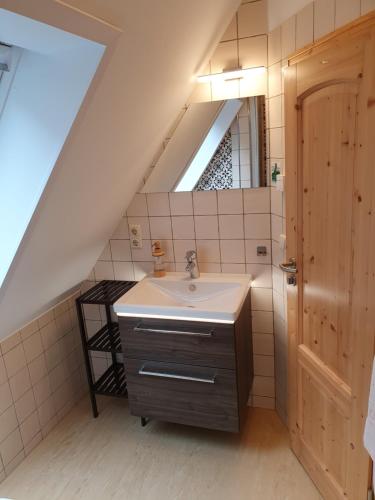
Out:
{"x": 144, "y": 79}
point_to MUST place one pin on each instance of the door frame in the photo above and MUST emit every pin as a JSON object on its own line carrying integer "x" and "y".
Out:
{"x": 363, "y": 264}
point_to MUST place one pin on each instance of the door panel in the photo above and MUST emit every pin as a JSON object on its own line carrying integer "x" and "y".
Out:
{"x": 328, "y": 129}
{"x": 330, "y": 205}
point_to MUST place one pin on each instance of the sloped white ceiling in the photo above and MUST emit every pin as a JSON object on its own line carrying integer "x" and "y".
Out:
{"x": 144, "y": 80}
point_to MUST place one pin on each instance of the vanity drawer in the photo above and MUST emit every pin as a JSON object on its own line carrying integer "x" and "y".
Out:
{"x": 194, "y": 343}
{"x": 186, "y": 394}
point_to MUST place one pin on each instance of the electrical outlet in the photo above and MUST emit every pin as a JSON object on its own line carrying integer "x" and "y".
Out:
{"x": 135, "y": 236}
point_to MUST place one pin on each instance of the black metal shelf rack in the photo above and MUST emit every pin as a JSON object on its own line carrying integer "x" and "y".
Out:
{"x": 107, "y": 339}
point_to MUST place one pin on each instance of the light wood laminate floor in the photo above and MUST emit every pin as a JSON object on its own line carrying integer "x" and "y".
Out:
{"x": 113, "y": 457}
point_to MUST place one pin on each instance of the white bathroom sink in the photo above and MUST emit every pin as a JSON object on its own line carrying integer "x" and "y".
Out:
{"x": 211, "y": 297}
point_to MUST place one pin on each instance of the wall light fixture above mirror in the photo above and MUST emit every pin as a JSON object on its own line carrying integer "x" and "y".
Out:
{"x": 216, "y": 145}
{"x": 232, "y": 75}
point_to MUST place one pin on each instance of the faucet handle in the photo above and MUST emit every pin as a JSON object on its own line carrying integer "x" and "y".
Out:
{"x": 190, "y": 255}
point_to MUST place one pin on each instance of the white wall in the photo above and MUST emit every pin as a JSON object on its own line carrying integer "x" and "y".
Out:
{"x": 144, "y": 80}
{"x": 44, "y": 98}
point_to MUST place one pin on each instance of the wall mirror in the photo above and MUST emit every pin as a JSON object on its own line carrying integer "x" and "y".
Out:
{"x": 215, "y": 145}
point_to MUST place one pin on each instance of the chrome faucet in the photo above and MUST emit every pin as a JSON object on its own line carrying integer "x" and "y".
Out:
{"x": 192, "y": 264}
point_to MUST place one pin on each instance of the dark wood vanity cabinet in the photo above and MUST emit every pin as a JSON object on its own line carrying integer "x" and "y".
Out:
{"x": 189, "y": 372}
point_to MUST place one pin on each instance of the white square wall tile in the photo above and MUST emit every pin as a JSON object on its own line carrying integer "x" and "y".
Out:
{"x": 276, "y": 227}
{"x": 20, "y": 383}
{"x": 231, "y": 227}
{"x": 183, "y": 227}
{"x": 252, "y": 19}
{"x": 253, "y": 52}
{"x": 274, "y": 46}
{"x": 288, "y": 37}
{"x": 261, "y": 299}
{"x": 274, "y": 80}
{"x": 205, "y": 202}
{"x": 257, "y": 226}
{"x": 346, "y": 11}
{"x": 37, "y": 369}
{"x": 8, "y": 422}
{"x": 181, "y": 247}
{"x": 10, "y": 342}
{"x": 208, "y": 251}
{"x": 210, "y": 267}
{"x": 230, "y": 201}
{"x": 29, "y": 329}
{"x": 262, "y": 322}
{"x": 33, "y": 347}
{"x": 120, "y": 250}
{"x": 14, "y": 360}
{"x": 225, "y": 57}
{"x": 3, "y": 372}
{"x": 276, "y": 202}
{"x": 251, "y": 247}
{"x": 233, "y": 268}
{"x": 275, "y": 111}
{"x": 261, "y": 275}
{"x": 256, "y": 200}
{"x": 160, "y": 228}
{"x": 5, "y": 397}
{"x": 206, "y": 227}
{"x": 181, "y": 203}
{"x": 143, "y": 254}
{"x": 232, "y": 251}
{"x": 122, "y": 230}
{"x": 29, "y": 428}
{"x": 263, "y": 386}
{"x": 278, "y": 280}
{"x": 279, "y": 305}
{"x": 104, "y": 271}
{"x": 278, "y": 255}
{"x": 264, "y": 365}
{"x": 324, "y": 17}
{"x": 263, "y": 343}
{"x": 158, "y": 204}
{"x": 138, "y": 206}
{"x": 305, "y": 26}
{"x": 123, "y": 271}
{"x": 106, "y": 253}
{"x": 277, "y": 144}
{"x": 11, "y": 447}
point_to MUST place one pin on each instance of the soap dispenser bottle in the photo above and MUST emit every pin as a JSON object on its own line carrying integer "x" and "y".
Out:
{"x": 157, "y": 253}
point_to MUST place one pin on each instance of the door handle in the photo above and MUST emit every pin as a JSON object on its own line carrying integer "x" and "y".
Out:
{"x": 289, "y": 267}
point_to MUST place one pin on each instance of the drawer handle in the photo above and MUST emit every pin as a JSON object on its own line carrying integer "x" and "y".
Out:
{"x": 150, "y": 373}
{"x": 174, "y": 332}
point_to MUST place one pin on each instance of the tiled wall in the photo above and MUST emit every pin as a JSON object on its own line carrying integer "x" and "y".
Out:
{"x": 182, "y": 220}
{"x": 245, "y": 43}
{"x": 225, "y": 227}
{"x": 41, "y": 378}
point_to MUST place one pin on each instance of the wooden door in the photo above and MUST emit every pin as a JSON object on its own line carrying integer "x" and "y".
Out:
{"x": 330, "y": 194}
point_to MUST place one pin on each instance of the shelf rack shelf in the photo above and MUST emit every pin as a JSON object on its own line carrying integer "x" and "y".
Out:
{"x": 107, "y": 339}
